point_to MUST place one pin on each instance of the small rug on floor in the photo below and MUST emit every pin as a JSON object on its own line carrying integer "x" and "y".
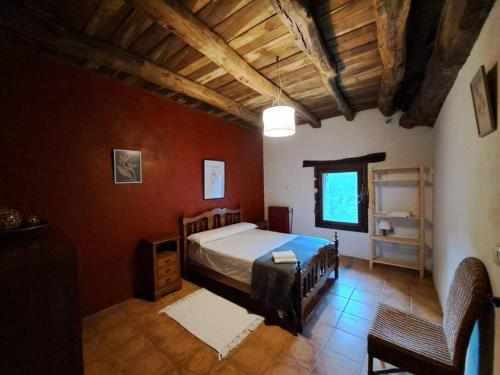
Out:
{"x": 218, "y": 322}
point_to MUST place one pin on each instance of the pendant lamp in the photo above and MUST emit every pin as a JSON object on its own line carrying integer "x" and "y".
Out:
{"x": 279, "y": 120}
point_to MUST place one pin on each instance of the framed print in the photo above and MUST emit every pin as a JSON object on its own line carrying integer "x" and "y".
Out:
{"x": 214, "y": 176}
{"x": 482, "y": 103}
{"x": 127, "y": 166}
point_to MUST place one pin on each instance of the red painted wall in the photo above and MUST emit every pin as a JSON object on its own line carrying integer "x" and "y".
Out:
{"x": 58, "y": 127}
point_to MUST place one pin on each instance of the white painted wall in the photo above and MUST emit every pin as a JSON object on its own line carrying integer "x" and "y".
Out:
{"x": 287, "y": 183}
{"x": 467, "y": 177}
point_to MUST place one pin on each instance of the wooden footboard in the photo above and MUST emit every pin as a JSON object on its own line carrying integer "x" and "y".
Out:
{"x": 310, "y": 280}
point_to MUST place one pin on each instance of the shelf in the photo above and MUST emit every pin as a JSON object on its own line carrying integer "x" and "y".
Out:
{"x": 396, "y": 170}
{"x": 397, "y": 240}
{"x": 397, "y": 262}
{"x": 401, "y": 182}
{"x": 383, "y": 215}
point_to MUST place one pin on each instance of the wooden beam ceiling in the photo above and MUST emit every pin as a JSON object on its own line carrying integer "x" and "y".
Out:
{"x": 299, "y": 20}
{"x": 20, "y": 22}
{"x": 459, "y": 26}
{"x": 423, "y": 22}
{"x": 391, "y": 17}
{"x": 171, "y": 13}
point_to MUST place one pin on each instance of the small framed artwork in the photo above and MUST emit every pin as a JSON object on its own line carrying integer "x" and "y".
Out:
{"x": 127, "y": 166}
{"x": 482, "y": 103}
{"x": 214, "y": 176}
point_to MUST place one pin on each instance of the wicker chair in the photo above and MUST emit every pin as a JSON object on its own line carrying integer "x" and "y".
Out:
{"x": 419, "y": 346}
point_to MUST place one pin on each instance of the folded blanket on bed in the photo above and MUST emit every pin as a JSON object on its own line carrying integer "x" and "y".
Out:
{"x": 285, "y": 260}
{"x": 287, "y": 256}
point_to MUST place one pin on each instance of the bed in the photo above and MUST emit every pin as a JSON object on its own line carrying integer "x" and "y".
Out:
{"x": 218, "y": 245}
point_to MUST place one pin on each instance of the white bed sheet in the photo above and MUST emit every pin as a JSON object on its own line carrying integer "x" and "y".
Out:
{"x": 233, "y": 256}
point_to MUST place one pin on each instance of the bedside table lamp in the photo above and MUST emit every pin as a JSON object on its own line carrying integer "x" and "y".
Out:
{"x": 385, "y": 227}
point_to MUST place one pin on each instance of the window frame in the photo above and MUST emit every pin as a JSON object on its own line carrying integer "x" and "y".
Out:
{"x": 361, "y": 169}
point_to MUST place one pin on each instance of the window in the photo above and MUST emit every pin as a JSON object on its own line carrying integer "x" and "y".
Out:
{"x": 341, "y": 198}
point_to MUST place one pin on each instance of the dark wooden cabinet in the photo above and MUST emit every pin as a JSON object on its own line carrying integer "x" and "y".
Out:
{"x": 159, "y": 270}
{"x": 40, "y": 323}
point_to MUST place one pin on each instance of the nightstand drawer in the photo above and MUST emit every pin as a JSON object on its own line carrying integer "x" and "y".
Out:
{"x": 167, "y": 261}
{"x": 164, "y": 281}
{"x": 167, "y": 271}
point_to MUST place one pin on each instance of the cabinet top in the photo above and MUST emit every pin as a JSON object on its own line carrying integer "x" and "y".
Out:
{"x": 162, "y": 238}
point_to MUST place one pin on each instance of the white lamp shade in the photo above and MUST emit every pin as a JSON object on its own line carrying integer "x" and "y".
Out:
{"x": 279, "y": 121}
{"x": 384, "y": 225}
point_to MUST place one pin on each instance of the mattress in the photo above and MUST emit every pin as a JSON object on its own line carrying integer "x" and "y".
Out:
{"x": 233, "y": 256}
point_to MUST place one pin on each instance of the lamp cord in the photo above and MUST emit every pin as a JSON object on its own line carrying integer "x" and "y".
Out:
{"x": 277, "y": 101}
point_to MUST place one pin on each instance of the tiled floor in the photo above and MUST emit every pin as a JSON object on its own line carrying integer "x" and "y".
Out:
{"x": 132, "y": 338}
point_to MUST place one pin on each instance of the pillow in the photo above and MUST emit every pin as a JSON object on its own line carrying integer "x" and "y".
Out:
{"x": 216, "y": 234}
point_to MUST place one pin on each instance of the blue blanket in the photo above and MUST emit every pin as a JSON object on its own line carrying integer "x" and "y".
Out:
{"x": 272, "y": 283}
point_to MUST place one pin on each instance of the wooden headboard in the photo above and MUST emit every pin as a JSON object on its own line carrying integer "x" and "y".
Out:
{"x": 215, "y": 218}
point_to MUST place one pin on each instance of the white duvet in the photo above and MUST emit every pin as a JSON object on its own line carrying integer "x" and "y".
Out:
{"x": 233, "y": 255}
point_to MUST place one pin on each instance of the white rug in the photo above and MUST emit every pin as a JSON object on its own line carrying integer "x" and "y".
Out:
{"x": 214, "y": 320}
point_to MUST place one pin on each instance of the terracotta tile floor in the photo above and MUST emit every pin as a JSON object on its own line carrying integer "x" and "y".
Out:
{"x": 132, "y": 338}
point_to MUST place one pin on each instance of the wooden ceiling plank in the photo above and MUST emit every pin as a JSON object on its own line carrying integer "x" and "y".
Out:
{"x": 265, "y": 55}
{"x": 182, "y": 58}
{"x": 259, "y": 35}
{"x": 355, "y": 53}
{"x": 391, "y": 18}
{"x": 357, "y": 63}
{"x": 346, "y": 25}
{"x": 135, "y": 24}
{"x": 347, "y": 10}
{"x": 166, "y": 49}
{"x": 75, "y": 14}
{"x": 302, "y": 25}
{"x": 42, "y": 31}
{"x": 364, "y": 75}
{"x": 459, "y": 26}
{"x": 330, "y": 6}
{"x": 196, "y": 5}
{"x": 244, "y": 19}
{"x": 202, "y": 38}
{"x": 365, "y": 35}
{"x": 107, "y": 17}
{"x": 217, "y": 11}
{"x": 149, "y": 39}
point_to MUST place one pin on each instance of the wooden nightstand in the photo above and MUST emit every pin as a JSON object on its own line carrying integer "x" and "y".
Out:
{"x": 160, "y": 269}
{"x": 262, "y": 225}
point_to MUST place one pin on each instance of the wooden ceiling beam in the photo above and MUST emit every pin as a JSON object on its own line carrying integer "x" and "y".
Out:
{"x": 299, "y": 20}
{"x": 20, "y": 22}
{"x": 391, "y": 17}
{"x": 172, "y": 14}
{"x": 459, "y": 26}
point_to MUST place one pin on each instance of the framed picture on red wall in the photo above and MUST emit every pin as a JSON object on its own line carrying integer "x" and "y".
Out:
{"x": 214, "y": 179}
{"x": 127, "y": 166}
